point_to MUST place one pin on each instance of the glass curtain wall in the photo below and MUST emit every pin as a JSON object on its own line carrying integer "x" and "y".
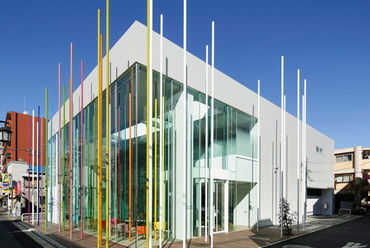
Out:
{"x": 234, "y": 149}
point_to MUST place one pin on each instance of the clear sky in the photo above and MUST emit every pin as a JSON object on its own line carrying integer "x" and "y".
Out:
{"x": 329, "y": 41}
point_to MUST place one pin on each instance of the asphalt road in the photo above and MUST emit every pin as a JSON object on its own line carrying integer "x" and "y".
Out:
{"x": 352, "y": 234}
{"x": 12, "y": 236}
{"x": 16, "y": 234}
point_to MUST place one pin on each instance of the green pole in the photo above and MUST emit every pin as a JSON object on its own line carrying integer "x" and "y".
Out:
{"x": 46, "y": 159}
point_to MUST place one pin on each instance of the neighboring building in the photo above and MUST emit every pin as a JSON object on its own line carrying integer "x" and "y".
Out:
{"x": 235, "y": 149}
{"x": 21, "y": 138}
{"x": 351, "y": 164}
{"x": 18, "y": 154}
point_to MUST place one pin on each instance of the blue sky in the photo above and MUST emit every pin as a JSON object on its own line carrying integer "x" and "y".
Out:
{"x": 327, "y": 40}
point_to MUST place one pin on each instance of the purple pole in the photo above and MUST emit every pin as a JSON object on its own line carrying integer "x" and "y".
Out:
{"x": 41, "y": 161}
{"x": 38, "y": 168}
{"x": 29, "y": 167}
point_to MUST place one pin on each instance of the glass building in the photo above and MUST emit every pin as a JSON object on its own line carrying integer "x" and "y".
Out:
{"x": 229, "y": 204}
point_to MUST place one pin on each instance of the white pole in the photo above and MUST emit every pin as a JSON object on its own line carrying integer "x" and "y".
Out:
{"x": 298, "y": 158}
{"x": 285, "y": 191}
{"x": 184, "y": 134}
{"x": 212, "y": 132}
{"x": 304, "y": 137}
{"x": 33, "y": 166}
{"x": 160, "y": 129}
{"x": 282, "y": 146}
{"x": 150, "y": 71}
{"x": 206, "y": 157}
{"x": 258, "y": 154}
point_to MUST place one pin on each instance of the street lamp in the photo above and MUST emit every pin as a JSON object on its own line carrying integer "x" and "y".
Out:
{"x": 5, "y": 133}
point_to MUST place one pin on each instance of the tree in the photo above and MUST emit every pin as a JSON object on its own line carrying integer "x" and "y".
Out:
{"x": 287, "y": 219}
{"x": 358, "y": 190}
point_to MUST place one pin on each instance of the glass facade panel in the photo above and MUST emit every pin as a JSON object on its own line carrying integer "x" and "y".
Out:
{"x": 234, "y": 150}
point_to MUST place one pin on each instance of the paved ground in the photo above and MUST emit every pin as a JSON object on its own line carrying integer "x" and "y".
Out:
{"x": 353, "y": 234}
{"x": 327, "y": 232}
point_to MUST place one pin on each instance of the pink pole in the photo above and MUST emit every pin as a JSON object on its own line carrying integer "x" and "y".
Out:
{"x": 60, "y": 159}
{"x": 29, "y": 167}
{"x": 70, "y": 148}
{"x": 82, "y": 149}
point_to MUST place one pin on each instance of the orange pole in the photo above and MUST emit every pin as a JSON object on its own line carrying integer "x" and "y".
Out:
{"x": 130, "y": 157}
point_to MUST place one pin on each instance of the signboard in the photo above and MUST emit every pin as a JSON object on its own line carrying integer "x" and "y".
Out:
{"x": 5, "y": 180}
{"x": 18, "y": 189}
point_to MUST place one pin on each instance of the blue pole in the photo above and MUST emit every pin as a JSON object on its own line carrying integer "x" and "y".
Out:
{"x": 51, "y": 168}
{"x": 38, "y": 175}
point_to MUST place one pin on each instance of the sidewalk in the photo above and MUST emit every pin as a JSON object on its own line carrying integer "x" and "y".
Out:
{"x": 245, "y": 238}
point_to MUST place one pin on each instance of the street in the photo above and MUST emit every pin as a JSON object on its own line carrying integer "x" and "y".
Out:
{"x": 15, "y": 234}
{"x": 352, "y": 234}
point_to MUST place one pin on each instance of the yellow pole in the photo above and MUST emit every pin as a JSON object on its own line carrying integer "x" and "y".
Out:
{"x": 155, "y": 164}
{"x": 99, "y": 110}
{"x": 107, "y": 182}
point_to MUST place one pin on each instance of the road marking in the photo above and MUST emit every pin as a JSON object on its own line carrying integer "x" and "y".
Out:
{"x": 354, "y": 245}
{"x": 296, "y": 246}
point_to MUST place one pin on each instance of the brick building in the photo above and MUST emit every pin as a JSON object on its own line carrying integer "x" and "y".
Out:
{"x": 21, "y": 139}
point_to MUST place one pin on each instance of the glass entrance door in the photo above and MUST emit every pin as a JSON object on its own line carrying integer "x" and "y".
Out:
{"x": 219, "y": 205}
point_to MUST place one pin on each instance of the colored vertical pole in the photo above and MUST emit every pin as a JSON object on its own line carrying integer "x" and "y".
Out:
{"x": 88, "y": 166}
{"x": 149, "y": 138}
{"x": 59, "y": 152}
{"x": 70, "y": 163}
{"x": 107, "y": 169}
{"x": 82, "y": 150}
{"x": 130, "y": 158}
{"x": 212, "y": 135}
{"x": 29, "y": 167}
{"x": 298, "y": 133}
{"x": 161, "y": 150}
{"x": 258, "y": 154}
{"x": 206, "y": 156}
{"x": 46, "y": 157}
{"x": 41, "y": 163}
{"x": 119, "y": 158}
{"x": 184, "y": 130}
{"x": 51, "y": 173}
{"x": 33, "y": 167}
{"x": 282, "y": 144}
{"x": 38, "y": 166}
{"x": 70, "y": 145}
{"x": 64, "y": 153}
{"x": 155, "y": 161}
{"x": 99, "y": 138}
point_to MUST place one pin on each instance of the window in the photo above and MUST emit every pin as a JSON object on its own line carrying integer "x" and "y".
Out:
{"x": 343, "y": 158}
{"x": 319, "y": 150}
{"x": 344, "y": 178}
